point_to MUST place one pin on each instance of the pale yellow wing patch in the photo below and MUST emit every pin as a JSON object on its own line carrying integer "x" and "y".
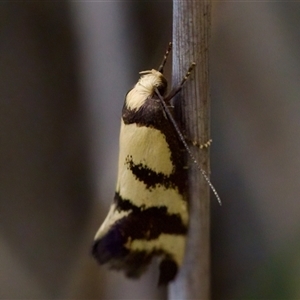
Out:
{"x": 145, "y": 145}
{"x": 170, "y": 243}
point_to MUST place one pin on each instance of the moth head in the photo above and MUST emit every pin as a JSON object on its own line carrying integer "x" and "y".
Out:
{"x": 152, "y": 79}
{"x": 145, "y": 88}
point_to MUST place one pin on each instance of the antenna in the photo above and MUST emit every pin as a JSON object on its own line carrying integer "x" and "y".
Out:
{"x": 166, "y": 109}
{"x": 161, "y": 67}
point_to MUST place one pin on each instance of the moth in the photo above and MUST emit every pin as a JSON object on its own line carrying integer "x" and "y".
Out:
{"x": 149, "y": 214}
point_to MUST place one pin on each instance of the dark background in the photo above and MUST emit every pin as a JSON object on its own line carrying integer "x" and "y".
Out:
{"x": 65, "y": 69}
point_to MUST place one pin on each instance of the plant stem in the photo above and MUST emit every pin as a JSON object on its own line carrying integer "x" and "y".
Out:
{"x": 191, "y": 32}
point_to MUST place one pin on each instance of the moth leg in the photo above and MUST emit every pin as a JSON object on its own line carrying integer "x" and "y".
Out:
{"x": 176, "y": 90}
{"x": 205, "y": 145}
{"x": 202, "y": 146}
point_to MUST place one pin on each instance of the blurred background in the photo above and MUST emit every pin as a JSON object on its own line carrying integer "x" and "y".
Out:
{"x": 65, "y": 69}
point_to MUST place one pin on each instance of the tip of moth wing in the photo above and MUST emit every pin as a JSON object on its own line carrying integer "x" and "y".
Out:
{"x": 100, "y": 253}
{"x": 168, "y": 270}
{"x": 109, "y": 247}
{"x": 117, "y": 257}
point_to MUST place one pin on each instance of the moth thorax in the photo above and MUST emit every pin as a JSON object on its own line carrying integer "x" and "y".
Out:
{"x": 152, "y": 79}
